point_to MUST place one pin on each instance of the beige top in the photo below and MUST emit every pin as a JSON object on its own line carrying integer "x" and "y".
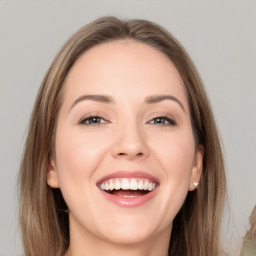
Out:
{"x": 249, "y": 244}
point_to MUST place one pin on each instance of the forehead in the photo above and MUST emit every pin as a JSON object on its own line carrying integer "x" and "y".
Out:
{"x": 123, "y": 67}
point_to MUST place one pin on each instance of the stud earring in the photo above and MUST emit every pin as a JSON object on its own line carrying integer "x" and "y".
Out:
{"x": 195, "y": 184}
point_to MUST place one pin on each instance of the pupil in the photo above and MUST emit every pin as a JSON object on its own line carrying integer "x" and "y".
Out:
{"x": 159, "y": 120}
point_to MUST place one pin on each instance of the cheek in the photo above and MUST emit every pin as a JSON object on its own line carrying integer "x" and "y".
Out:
{"x": 176, "y": 157}
{"x": 78, "y": 155}
{"x": 176, "y": 153}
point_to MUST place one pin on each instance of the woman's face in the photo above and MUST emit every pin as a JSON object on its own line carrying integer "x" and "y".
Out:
{"x": 125, "y": 153}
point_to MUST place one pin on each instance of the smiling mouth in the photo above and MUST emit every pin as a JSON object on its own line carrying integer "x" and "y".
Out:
{"x": 127, "y": 188}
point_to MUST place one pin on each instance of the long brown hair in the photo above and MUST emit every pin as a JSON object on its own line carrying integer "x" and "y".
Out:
{"x": 43, "y": 216}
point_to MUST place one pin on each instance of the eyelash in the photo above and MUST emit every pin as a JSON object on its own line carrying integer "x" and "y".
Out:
{"x": 167, "y": 121}
{"x": 94, "y": 121}
{"x": 87, "y": 120}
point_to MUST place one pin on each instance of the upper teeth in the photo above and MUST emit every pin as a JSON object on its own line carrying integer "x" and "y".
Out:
{"x": 126, "y": 184}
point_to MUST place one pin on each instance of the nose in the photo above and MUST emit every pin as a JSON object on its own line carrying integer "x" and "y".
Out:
{"x": 130, "y": 143}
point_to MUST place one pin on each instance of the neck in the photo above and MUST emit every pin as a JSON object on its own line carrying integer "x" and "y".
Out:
{"x": 116, "y": 250}
{"x": 87, "y": 244}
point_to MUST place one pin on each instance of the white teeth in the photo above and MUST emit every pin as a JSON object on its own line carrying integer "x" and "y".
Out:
{"x": 111, "y": 185}
{"x": 133, "y": 184}
{"x": 140, "y": 185}
{"x": 117, "y": 185}
{"x": 126, "y": 184}
{"x": 145, "y": 186}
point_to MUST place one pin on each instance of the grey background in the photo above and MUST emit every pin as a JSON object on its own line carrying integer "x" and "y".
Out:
{"x": 219, "y": 35}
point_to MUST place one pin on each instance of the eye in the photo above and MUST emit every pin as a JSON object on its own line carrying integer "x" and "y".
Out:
{"x": 162, "y": 120}
{"x": 92, "y": 120}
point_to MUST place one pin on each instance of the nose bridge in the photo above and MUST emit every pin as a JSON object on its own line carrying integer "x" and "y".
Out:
{"x": 130, "y": 140}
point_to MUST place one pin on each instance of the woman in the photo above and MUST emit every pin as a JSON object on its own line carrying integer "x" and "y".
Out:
{"x": 122, "y": 155}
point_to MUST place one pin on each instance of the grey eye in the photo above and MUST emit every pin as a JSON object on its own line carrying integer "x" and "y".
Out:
{"x": 92, "y": 120}
{"x": 162, "y": 120}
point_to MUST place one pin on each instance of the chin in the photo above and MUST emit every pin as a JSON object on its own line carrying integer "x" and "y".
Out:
{"x": 129, "y": 230}
{"x": 128, "y": 236}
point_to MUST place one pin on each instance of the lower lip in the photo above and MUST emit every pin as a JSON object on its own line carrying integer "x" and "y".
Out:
{"x": 129, "y": 201}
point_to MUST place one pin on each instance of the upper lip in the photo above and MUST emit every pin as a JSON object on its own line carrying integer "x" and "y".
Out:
{"x": 128, "y": 175}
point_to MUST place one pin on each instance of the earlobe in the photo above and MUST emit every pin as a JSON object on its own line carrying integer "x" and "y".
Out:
{"x": 52, "y": 176}
{"x": 197, "y": 169}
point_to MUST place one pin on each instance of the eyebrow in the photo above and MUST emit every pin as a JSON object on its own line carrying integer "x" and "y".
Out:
{"x": 108, "y": 99}
{"x": 93, "y": 97}
{"x": 158, "y": 98}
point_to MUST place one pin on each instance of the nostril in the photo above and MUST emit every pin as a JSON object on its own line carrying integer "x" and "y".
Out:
{"x": 140, "y": 154}
{"x": 125, "y": 154}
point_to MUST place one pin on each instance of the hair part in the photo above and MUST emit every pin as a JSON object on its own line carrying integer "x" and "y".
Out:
{"x": 43, "y": 211}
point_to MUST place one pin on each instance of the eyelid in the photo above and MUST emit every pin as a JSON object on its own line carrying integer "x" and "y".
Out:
{"x": 167, "y": 116}
{"x": 82, "y": 120}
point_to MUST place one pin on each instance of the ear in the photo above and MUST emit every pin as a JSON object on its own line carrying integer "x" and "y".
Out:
{"x": 197, "y": 168}
{"x": 52, "y": 176}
